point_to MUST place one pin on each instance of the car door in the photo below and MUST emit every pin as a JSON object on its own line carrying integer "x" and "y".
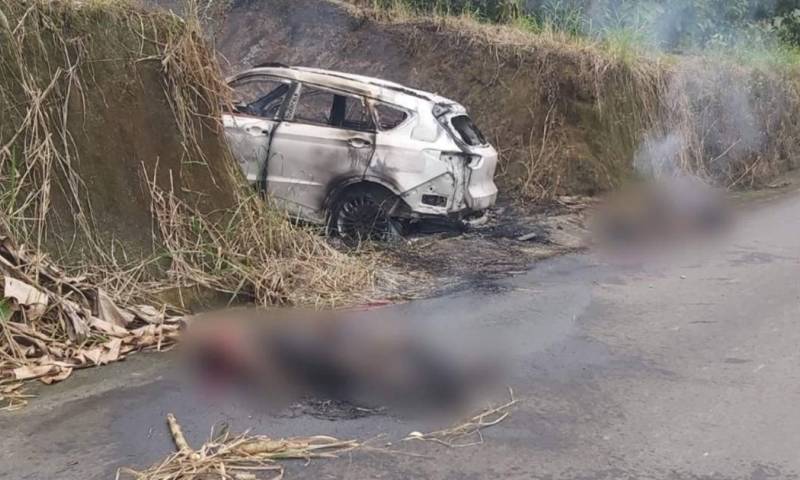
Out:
{"x": 259, "y": 102}
{"x": 326, "y": 136}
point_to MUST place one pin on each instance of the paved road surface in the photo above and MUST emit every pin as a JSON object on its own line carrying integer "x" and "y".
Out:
{"x": 686, "y": 371}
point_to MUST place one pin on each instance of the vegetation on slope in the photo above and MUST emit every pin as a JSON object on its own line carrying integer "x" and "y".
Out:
{"x": 574, "y": 112}
{"x": 116, "y": 184}
{"x": 111, "y": 114}
{"x": 682, "y": 25}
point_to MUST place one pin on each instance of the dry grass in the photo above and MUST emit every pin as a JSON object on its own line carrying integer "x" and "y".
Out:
{"x": 207, "y": 228}
{"x": 254, "y": 253}
{"x": 287, "y": 263}
{"x": 496, "y": 33}
{"x": 246, "y": 456}
{"x": 237, "y": 457}
{"x": 12, "y": 396}
{"x": 52, "y": 323}
{"x": 31, "y": 154}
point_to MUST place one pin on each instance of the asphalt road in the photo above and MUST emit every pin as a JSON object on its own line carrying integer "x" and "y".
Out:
{"x": 683, "y": 369}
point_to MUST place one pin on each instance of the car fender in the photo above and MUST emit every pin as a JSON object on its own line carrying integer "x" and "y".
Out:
{"x": 338, "y": 186}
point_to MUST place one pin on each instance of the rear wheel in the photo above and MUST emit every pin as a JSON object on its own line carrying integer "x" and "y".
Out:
{"x": 365, "y": 213}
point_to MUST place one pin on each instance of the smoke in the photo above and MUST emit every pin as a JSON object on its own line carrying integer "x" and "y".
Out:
{"x": 659, "y": 156}
{"x": 708, "y": 126}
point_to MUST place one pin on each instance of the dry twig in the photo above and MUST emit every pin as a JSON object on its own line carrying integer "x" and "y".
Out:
{"x": 236, "y": 457}
{"x": 472, "y": 427}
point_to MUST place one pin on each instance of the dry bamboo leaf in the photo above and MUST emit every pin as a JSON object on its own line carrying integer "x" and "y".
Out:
{"x": 107, "y": 327}
{"x": 148, "y": 314}
{"x": 112, "y": 353}
{"x": 79, "y": 327}
{"x": 28, "y": 372}
{"x": 24, "y": 293}
{"x": 108, "y": 311}
{"x": 92, "y": 355}
{"x": 61, "y": 374}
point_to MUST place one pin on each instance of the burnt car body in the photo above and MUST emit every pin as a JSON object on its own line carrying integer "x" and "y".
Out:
{"x": 356, "y": 153}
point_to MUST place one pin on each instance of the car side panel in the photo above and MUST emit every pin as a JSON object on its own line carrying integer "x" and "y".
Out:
{"x": 249, "y": 141}
{"x": 306, "y": 159}
{"x": 417, "y": 167}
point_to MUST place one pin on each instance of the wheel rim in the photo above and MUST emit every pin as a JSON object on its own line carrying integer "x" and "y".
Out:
{"x": 362, "y": 218}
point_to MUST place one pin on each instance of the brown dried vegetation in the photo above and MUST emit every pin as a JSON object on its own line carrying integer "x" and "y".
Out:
{"x": 115, "y": 184}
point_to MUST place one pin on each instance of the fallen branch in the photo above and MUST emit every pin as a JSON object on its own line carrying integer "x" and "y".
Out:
{"x": 471, "y": 427}
{"x": 236, "y": 457}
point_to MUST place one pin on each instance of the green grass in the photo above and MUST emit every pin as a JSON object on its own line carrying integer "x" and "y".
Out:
{"x": 625, "y": 36}
{"x": 627, "y": 45}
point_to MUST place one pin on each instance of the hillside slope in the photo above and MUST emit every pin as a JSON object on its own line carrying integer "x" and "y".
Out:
{"x": 113, "y": 160}
{"x": 568, "y": 117}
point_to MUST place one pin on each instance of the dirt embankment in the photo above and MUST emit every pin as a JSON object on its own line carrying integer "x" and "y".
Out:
{"x": 568, "y": 117}
{"x": 91, "y": 102}
{"x": 112, "y": 155}
{"x": 116, "y": 185}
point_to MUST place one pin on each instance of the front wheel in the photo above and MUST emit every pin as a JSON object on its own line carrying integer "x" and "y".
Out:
{"x": 364, "y": 213}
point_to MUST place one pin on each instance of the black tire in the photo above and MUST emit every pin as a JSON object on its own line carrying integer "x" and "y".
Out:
{"x": 363, "y": 213}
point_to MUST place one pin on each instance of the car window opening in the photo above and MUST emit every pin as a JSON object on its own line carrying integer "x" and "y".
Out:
{"x": 389, "y": 117}
{"x": 314, "y": 106}
{"x": 269, "y": 105}
{"x": 252, "y": 99}
{"x": 467, "y": 131}
{"x": 334, "y": 110}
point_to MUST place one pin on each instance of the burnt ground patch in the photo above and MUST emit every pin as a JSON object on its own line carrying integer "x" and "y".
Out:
{"x": 332, "y": 410}
{"x": 512, "y": 239}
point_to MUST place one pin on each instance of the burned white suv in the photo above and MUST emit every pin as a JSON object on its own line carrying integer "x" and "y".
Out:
{"x": 361, "y": 155}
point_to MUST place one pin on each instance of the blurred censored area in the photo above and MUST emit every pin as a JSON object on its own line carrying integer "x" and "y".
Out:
{"x": 658, "y": 216}
{"x": 278, "y": 357}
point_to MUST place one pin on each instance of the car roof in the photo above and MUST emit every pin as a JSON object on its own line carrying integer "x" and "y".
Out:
{"x": 368, "y": 86}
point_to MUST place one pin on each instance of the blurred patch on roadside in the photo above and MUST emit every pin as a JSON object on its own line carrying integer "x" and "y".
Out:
{"x": 655, "y": 217}
{"x": 276, "y": 358}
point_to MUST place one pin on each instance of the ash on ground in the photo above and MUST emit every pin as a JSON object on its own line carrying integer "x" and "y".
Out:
{"x": 331, "y": 410}
{"x": 512, "y": 238}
